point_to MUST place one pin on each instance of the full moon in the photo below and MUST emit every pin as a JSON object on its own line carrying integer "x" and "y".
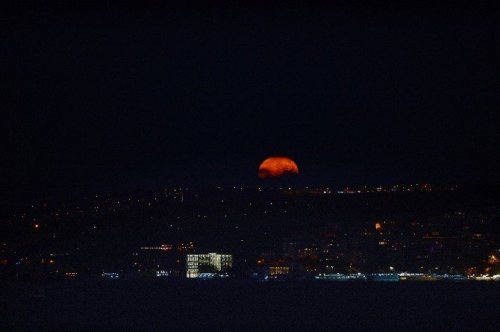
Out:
{"x": 277, "y": 166}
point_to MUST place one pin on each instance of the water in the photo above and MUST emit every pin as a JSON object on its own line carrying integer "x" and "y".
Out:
{"x": 158, "y": 305}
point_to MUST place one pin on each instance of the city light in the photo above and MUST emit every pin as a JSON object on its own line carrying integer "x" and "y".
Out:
{"x": 198, "y": 264}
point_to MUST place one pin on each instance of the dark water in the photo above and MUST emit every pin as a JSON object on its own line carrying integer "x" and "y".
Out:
{"x": 159, "y": 305}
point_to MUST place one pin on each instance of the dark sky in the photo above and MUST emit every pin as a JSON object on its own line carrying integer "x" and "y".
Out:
{"x": 120, "y": 97}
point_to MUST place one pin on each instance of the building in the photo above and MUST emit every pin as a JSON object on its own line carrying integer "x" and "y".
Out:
{"x": 211, "y": 263}
{"x": 277, "y": 272}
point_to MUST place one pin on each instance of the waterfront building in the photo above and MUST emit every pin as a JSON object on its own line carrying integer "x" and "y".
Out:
{"x": 200, "y": 264}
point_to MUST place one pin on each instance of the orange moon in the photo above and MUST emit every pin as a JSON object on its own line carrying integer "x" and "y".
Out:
{"x": 277, "y": 166}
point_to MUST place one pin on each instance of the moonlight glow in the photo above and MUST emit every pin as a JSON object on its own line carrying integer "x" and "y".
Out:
{"x": 277, "y": 166}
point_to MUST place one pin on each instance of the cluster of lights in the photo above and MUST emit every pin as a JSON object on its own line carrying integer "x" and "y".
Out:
{"x": 404, "y": 276}
{"x": 163, "y": 247}
{"x": 110, "y": 275}
{"x": 162, "y": 273}
{"x": 394, "y": 188}
{"x": 185, "y": 246}
{"x": 275, "y": 271}
{"x": 341, "y": 277}
{"x": 495, "y": 277}
{"x": 196, "y": 264}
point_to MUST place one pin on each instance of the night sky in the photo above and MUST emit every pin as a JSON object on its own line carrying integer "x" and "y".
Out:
{"x": 119, "y": 97}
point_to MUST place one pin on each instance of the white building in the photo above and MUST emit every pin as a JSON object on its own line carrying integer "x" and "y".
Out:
{"x": 212, "y": 263}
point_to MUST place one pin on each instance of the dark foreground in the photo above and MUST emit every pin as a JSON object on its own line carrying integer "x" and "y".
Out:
{"x": 154, "y": 305}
